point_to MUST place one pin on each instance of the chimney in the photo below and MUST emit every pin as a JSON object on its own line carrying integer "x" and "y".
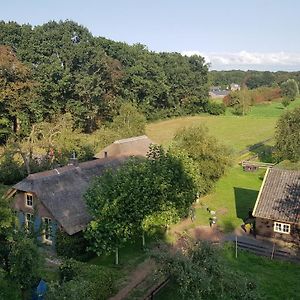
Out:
{"x": 73, "y": 161}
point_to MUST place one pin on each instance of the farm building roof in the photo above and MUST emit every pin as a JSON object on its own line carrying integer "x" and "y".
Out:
{"x": 279, "y": 196}
{"x": 135, "y": 146}
{"x": 61, "y": 190}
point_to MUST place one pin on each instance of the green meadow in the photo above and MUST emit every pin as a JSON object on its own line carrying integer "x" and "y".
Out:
{"x": 237, "y": 132}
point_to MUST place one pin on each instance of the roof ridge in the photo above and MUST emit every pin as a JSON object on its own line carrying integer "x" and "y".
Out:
{"x": 68, "y": 168}
{"x": 131, "y": 139}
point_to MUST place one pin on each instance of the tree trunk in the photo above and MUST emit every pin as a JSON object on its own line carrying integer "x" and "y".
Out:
{"x": 26, "y": 163}
{"x": 143, "y": 240}
{"x": 23, "y": 294}
{"x": 17, "y": 125}
{"x": 117, "y": 256}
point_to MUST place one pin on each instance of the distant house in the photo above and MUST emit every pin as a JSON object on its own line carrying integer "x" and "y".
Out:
{"x": 217, "y": 92}
{"x": 135, "y": 146}
{"x": 53, "y": 200}
{"x": 235, "y": 87}
{"x": 277, "y": 208}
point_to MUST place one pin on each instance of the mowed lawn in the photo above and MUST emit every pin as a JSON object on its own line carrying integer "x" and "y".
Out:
{"x": 237, "y": 132}
{"x": 234, "y": 195}
{"x": 236, "y": 192}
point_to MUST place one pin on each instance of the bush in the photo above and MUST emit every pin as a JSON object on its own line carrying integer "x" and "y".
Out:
{"x": 285, "y": 101}
{"x": 10, "y": 170}
{"x": 72, "y": 246}
{"x": 8, "y": 290}
{"x": 255, "y": 96}
{"x": 82, "y": 281}
{"x": 215, "y": 108}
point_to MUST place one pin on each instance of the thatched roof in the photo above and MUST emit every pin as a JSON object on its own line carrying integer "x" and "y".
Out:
{"x": 279, "y": 197}
{"x": 61, "y": 190}
{"x": 135, "y": 146}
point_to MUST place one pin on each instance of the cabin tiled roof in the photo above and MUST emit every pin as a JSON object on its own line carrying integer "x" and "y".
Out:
{"x": 279, "y": 197}
{"x": 61, "y": 190}
{"x": 135, "y": 146}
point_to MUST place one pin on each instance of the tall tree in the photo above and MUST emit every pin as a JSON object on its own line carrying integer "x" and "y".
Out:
{"x": 287, "y": 136}
{"x": 289, "y": 89}
{"x": 209, "y": 157}
{"x": 136, "y": 197}
{"x": 16, "y": 92}
{"x": 129, "y": 122}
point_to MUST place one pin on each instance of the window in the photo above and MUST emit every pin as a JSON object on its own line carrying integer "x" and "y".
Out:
{"x": 29, "y": 200}
{"x": 28, "y": 220}
{"x": 282, "y": 228}
{"x": 47, "y": 230}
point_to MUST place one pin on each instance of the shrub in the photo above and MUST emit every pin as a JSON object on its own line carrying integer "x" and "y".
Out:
{"x": 285, "y": 101}
{"x": 10, "y": 170}
{"x": 215, "y": 108}
{"x": 255, "y": 96}
{"x": 72, "y": 246}
{"x": 82, "y": 281}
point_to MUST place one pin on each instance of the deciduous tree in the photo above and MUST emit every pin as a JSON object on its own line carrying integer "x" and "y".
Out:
{"x": 24, "y": 263}
{"x": 202, "y": 155}
{"x": 289, "y": 89}
{"x": 198, "y": 272}
{"x": 136, "y": 197}
{"x": 287, "y": 136}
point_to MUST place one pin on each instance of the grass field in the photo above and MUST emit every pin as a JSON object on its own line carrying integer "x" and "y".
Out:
{"x": 235, "y": 194}
{"x": 275, "y": 280}
{"x": 232, "y": 198}
{"x": 234, "y": 131}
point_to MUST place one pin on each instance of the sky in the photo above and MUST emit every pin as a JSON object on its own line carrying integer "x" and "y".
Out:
{"x": 230, "y": 34}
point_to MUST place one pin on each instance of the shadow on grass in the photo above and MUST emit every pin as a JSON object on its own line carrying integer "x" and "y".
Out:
{"x": 264, "y": 153}
{"x": 244, "y": 201}
{"x": 130, "y": 254}
{"x": 228, "y": 226}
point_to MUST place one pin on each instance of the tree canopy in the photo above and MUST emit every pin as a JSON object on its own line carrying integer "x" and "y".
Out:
{"x": 61, "y": 67}
{"x": 251, "y": 79}
{"x": 139, "y": 195}
{"x": 198, "y": 271}
{"x": 289, "y": 89}
{"x": 202, "y": 155}
{"x": 287, "y": 136}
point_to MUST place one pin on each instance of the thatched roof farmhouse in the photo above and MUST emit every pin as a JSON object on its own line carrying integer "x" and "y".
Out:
{"x": 56, "y": 196}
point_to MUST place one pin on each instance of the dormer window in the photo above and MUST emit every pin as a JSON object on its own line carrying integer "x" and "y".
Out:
{"x": 29, "y": 199}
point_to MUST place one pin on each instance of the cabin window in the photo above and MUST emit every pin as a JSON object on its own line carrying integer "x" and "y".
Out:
{"x": 47, "y": 234}
{"x": 28, "y": 220}
{"x": 29, "y": 199}
{"x": 282, "y": 227}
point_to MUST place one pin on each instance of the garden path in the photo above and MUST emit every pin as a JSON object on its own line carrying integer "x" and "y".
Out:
{"x": 135, "y": 278}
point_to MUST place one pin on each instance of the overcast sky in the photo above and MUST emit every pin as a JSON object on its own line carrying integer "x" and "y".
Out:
{"x": 230, "y": 34}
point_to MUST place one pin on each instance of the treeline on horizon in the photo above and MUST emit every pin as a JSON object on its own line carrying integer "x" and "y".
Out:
{"x": 56, "y": 68}
{"x": 60, "y": 67}
{"x": 251, "y": 79}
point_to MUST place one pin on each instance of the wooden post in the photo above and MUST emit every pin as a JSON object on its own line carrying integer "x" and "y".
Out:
{"x": 273, "y": 250}
{"x": 236, "y": 246}
{"x": 117, "y": 255}
{"x": 143, "y": 240}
